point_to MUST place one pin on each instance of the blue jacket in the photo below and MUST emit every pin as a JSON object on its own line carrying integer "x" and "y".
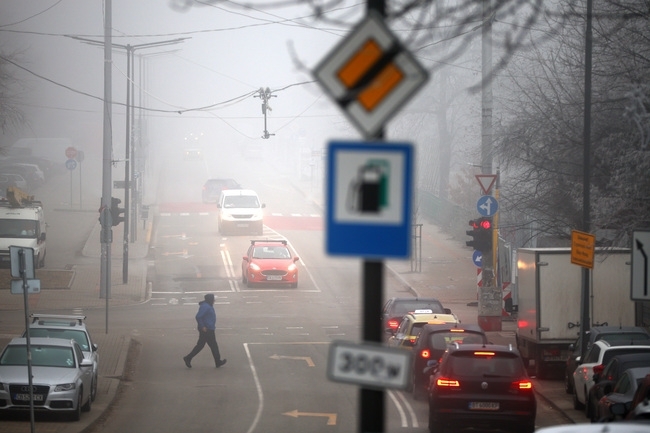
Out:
{"x": 206, "y": 316}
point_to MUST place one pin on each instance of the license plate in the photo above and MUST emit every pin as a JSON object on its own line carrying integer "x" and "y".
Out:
{"x": 274, "y": 278}
{"x": 483, "y": 405}
{"x": 25, "y": 397}
{"x": 242, "y": 225}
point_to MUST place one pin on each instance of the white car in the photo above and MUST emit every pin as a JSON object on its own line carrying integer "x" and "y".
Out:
{"x": 61, "y": 377}
{"x": 599, "y": 354}
{"x": 68, "y": 327}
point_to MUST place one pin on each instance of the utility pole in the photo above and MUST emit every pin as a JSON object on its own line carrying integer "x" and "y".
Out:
{"x": 107, "y": 227}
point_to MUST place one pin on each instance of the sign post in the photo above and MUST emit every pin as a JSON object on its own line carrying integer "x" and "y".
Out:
{"x": 370, "y": 75}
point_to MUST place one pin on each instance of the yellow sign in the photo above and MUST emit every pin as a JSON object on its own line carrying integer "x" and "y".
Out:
{"x": 582, "y": 249}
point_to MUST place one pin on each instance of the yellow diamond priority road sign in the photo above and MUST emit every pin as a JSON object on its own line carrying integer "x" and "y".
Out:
{"x": 370, "y": 74}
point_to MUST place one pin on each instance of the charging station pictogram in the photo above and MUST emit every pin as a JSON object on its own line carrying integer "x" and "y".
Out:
{"x": 369, "y": 199}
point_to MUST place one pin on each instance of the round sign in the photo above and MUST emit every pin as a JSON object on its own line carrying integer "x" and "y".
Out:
{"x": 487, "y": 206}
{"x": 71, "y": 164}
{"x": 70, "y": 152}
{"x": 477, "y": 258}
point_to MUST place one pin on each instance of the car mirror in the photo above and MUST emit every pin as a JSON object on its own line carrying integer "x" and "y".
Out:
{"x": 447, "y": 310}
{"x": 86, "y": 362}
{"x": 295, "y": 259}
{"x": 245, "y": 258}
{"x": 95, "y": 347}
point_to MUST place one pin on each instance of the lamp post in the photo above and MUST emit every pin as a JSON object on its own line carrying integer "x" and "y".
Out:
{"x": 129, "y": 211}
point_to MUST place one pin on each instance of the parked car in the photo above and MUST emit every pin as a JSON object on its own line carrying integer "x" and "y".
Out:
{"x": 431, "y": 344}
{"x": 61, "y": 376}
{"x": 394, "y": 309}
{"x": 212, "y": 188}
{"x": 481, "y": 386}
{"x": 68, "y": 327}
{"x": 621, "y": 391}
{"x": 32, "y": 174}
{"x": 608, "y": 333}
{"x": 600, "y": 353}
{"x": 44, "y": 164}
{"x": 17, "y": 180}
{"x": 639, "y": 408}
{"x": 605, "y": 376}
{"x": 269, "y": 262}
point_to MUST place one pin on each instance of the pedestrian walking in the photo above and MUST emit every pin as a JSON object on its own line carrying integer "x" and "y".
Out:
{"x": 206, "y": 320}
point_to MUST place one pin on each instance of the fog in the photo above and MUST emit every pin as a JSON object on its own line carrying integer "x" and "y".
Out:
{"x": 216, "y": 54}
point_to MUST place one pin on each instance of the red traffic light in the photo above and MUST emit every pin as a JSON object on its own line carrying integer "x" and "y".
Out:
{"x": 485, "y": 224}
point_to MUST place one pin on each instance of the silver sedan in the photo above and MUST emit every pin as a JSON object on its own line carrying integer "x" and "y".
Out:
{"x": 61, "y": 382}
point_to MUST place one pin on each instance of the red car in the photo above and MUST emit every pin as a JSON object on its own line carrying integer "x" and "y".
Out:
{"x": 269, "y": 262}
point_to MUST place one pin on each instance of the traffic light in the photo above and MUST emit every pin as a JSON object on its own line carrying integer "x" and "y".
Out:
{"x": 116, "y": 211}
{"x": 481, "y": 233}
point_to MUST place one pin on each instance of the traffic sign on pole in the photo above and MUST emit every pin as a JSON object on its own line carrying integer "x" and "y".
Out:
{"x": 371, "y": 365}
{"x": 370, "y": 75}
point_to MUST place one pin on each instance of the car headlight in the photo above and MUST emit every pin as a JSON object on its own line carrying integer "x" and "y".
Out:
{"x": 227, "y": 216}
{"x": 254, "y": 267}
{"x": 64, "y": 387}
{"x": 292, "y": 267}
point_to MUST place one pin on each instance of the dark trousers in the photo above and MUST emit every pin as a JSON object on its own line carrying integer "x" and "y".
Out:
{"x": 208, "y": 338}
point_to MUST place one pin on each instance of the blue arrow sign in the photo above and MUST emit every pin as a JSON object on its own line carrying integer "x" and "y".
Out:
{"x": 487, "y": 206}
{"x": 71, "y": 164}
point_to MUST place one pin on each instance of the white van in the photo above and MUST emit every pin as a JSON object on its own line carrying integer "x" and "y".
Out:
{"x": 240, "y": 210}
{"x": 22, "y": 225}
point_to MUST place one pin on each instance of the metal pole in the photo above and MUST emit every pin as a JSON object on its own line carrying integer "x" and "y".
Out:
{"x": 372, "y": 401}
{"x": 107, "y": 230}
{"x": 586, "y": 182}
{"x": 28, "y": 347}
{"x": 127, "y": 170}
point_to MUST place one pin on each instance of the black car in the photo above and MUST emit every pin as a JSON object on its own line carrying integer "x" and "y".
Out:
{"x": 212, "y": 188}
{"x": 396, "y": 308}
{"x": 607, "y": 333}
{"x": 481, "y": 386}
{"x": 605, "y": 377}
{"x": 620, "y": 392}
{"x": 431, "y": 344}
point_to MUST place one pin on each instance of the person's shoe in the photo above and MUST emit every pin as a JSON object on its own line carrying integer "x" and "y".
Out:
{"x": 222, "y": 362}
{"x": 187, "y": 362}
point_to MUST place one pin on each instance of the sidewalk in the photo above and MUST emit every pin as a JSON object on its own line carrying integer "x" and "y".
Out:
{"x": 82, "y": 291}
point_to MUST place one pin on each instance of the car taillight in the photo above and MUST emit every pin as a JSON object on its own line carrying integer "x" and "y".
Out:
{"x": 599, "y": 369}
{"x": 393, "y": 324}
{"x": 411, "y": 341}
{"x": 426, "y": 354}
{"x": 444, "y": 382}
{"x": 523, "y": 385}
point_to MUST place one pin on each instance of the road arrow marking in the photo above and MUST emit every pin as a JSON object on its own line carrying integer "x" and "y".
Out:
{"x": 307, "y": 359}
{"x": 331, "y": 417}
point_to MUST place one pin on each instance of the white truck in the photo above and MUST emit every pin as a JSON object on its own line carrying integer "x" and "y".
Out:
{"x": 22, "y": 224}
{"x": 549, "y": 289}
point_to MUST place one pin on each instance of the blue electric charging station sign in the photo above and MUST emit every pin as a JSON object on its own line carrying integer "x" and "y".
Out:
{"x": 368, "y": 199}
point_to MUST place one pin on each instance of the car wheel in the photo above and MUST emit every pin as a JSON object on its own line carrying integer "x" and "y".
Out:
{"x": 435, "y": 426}
{"x": 93, "y": 389}
{"x": 527, "y": 428}
{"x": 249, "y": 284}
{"x": 419, "y": 393}
{"x": 576, "y": 403}
{"x": 86, "y": 407}
{"x": 568, "y": 383}
{"x": 294, "y": 285}
{"x": 243, "y": 278}
{"x": 76, "y": 413}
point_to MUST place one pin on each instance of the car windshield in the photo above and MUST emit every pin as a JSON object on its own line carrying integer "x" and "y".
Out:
{"x": 466, "y": 363}
{"x": 18, "y": 228}
{"x": 241, "y": 201}
{"x": 271, "y": 253}
{"x": 42, "y": 356}
{"x": 404, "y": 307}
{"x": 67, "y": 334}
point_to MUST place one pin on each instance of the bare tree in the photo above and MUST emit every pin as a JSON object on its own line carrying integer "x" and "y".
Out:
{"x": 10, "y": 88}
{"x": 540, "y": 140}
